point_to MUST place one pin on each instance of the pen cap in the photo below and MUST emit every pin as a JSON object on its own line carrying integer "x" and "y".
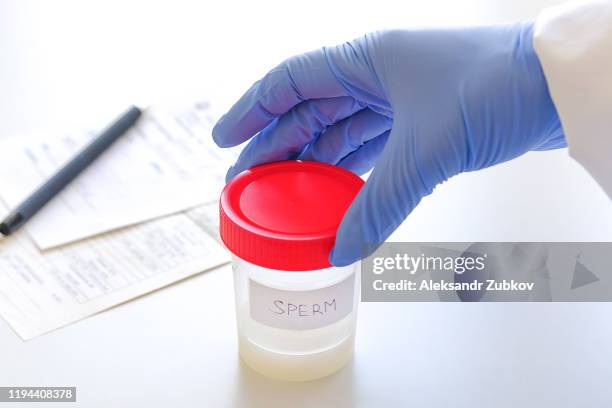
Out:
{"x": 285, "y": 215}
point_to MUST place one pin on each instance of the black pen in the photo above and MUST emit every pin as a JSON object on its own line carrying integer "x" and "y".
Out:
{"x": 69, "y": 171}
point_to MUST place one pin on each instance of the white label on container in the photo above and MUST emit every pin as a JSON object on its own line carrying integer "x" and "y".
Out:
{"x": 301, "y": 310}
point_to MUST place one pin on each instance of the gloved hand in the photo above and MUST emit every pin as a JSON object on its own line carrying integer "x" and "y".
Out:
{"x": 418, "y": 106}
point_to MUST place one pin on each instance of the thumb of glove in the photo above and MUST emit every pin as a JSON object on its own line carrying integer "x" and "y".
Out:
{"x": 407, "y": 170}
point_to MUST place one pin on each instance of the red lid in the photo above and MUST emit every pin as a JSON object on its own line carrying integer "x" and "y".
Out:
{"x": 285, "y": 215}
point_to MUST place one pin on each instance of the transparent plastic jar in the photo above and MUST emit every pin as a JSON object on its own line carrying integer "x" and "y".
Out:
{"x": 296, "y": 314}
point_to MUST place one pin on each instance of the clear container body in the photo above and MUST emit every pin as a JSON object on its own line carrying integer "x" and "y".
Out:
{"x": 296, "y": 326}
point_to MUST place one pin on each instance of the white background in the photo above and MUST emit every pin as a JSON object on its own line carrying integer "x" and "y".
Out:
{"x": 67, "y": 63}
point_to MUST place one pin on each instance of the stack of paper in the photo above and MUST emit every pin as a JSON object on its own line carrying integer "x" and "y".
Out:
{"x": 89, "y": 248}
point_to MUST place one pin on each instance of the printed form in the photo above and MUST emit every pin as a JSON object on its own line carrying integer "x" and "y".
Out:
{"x": 165, "y": 164}
{"x": 42, "y": 291}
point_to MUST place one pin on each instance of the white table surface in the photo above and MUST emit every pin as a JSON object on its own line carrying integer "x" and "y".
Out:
{"x": 67, "y": 63}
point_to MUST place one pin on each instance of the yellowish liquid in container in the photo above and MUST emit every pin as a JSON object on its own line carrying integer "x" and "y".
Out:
{"x": 296, "y": 367}
{"x": 295, "y": 355}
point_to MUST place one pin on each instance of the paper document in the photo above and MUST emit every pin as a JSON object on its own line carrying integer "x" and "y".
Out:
{"x": 207, "y": 217}
{"x": 166, "y": 164}
{"x": 40, "y": 292}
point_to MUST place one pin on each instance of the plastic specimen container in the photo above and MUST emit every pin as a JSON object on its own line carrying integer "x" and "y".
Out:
{"x": 296, "y": 313}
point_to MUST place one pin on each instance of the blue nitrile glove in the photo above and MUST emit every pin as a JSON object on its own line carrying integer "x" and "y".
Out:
{"x": 417, "y": 105}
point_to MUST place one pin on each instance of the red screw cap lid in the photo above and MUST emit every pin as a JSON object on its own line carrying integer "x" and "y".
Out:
{"x": 285, "y": 215}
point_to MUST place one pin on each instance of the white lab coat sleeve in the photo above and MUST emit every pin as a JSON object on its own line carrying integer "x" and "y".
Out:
{"x": 574, "y": 44}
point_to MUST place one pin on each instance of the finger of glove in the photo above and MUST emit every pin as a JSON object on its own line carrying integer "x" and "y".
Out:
{"x": 395, "y": 187}
{"x": 288, "y": 135}
{"x": 297, "y": 79}
{"x": 346, "y": 136}
{"x": 364, "y": 159}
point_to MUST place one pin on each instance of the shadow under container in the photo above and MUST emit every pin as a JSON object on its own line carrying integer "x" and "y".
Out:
{"x": 296, "y": 313}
